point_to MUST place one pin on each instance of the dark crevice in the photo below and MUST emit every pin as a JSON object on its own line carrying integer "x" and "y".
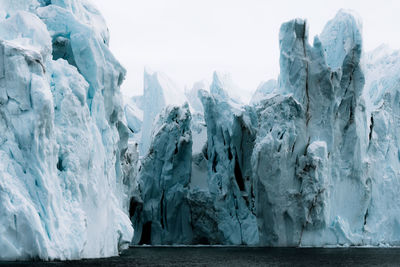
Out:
{"x": 121, "y": 78}
{"x": 308, "y": 144}
{"x": 281, "y": 136}
{"x": 203, "y": 241}
{"x": 238, "y": 175}
{"x": 365, "y": 217}
{"x": 308, "y": 167}
{"x": 253, "y": 197}
{"x": 131, "y": 129}
{"x": 215, "y": 162}
{"x": 41, "y": 64}
{"x": 162, "y": 210}
{"x": 205, "y": 151}
{"x": 133, "y": 204}
{"x": 371, "y": 127}
{"x": 230, "y": 153}
{"x": 176, "y": 149}
{"x": 62, "y": 49}
{"x": 351, "y": 117}
{"x": 145, "y": 239}
{"x": 60, "y": 164}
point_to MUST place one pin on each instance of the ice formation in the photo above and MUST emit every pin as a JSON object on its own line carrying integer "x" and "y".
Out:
{"x": 309, "y": 150}
{"x": 214, "y": 204}
{"x": 164, "y": 214}
{"x": 230, "y": 140}
{"x": 159, "y": 91}
{"x": 62, "y": 191}
{"x": 312, "y": 161}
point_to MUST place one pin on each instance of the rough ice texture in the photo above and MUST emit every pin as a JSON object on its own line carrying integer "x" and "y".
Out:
{"x": 317, "y": 191}
{"x": 381, "y": 223}
{"x": 230, "y": 140}
{"x": 199, "y": 191}
{"x": 163, "y": 216}
{"x": 62, "y": 134}
{"x": 313, "y": 161}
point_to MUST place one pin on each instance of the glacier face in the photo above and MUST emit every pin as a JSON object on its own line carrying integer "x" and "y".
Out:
{"x": 312, "y": 161}
{"x": 62, "y": 134}
{"x": 322, "y": 178}
{"x": 382, "y": 155}
{"x": 163, "y": 216}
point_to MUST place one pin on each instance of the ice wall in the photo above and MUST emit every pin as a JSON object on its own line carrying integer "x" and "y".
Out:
{"x": 319, "y": 172}
{"x": 163, "y": 215}
{"x": 230, "y": 139}
{"x": 62, "y": 134}
{"x": 381, "y": 67}
{"x": 214, "y": 204}
{"x": 314, "y": 159}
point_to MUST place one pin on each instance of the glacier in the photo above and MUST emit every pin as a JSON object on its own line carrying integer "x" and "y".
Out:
{"x": 63, "y": 134}
{"x": 312, "y": 160}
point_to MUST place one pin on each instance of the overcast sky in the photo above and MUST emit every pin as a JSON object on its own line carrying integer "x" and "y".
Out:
{"x": 189, "y": 39}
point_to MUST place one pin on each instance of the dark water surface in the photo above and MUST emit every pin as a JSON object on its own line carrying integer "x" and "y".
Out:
{"x": 238, "y": 256}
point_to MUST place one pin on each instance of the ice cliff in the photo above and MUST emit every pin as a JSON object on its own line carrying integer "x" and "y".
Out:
{"x": 313, "y": 160}
{"x": 310, "y": 147}
{"x": 164, "y": 214}
{"x": 63, "y": 137}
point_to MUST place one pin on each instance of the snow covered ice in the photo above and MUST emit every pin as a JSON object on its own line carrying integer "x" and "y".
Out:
{"x": 62, "y": 134}
{"x": 312, "y": 160}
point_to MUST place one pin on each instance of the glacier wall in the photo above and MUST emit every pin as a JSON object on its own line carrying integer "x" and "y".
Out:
{"x": 163, "y": 216}
{"x": 313, "y": 160}
{"x": 63, "y": 194}
{"x": 319, "y": 169}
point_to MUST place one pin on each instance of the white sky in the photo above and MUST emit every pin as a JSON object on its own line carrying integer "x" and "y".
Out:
{"x": 189, "y": 39}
